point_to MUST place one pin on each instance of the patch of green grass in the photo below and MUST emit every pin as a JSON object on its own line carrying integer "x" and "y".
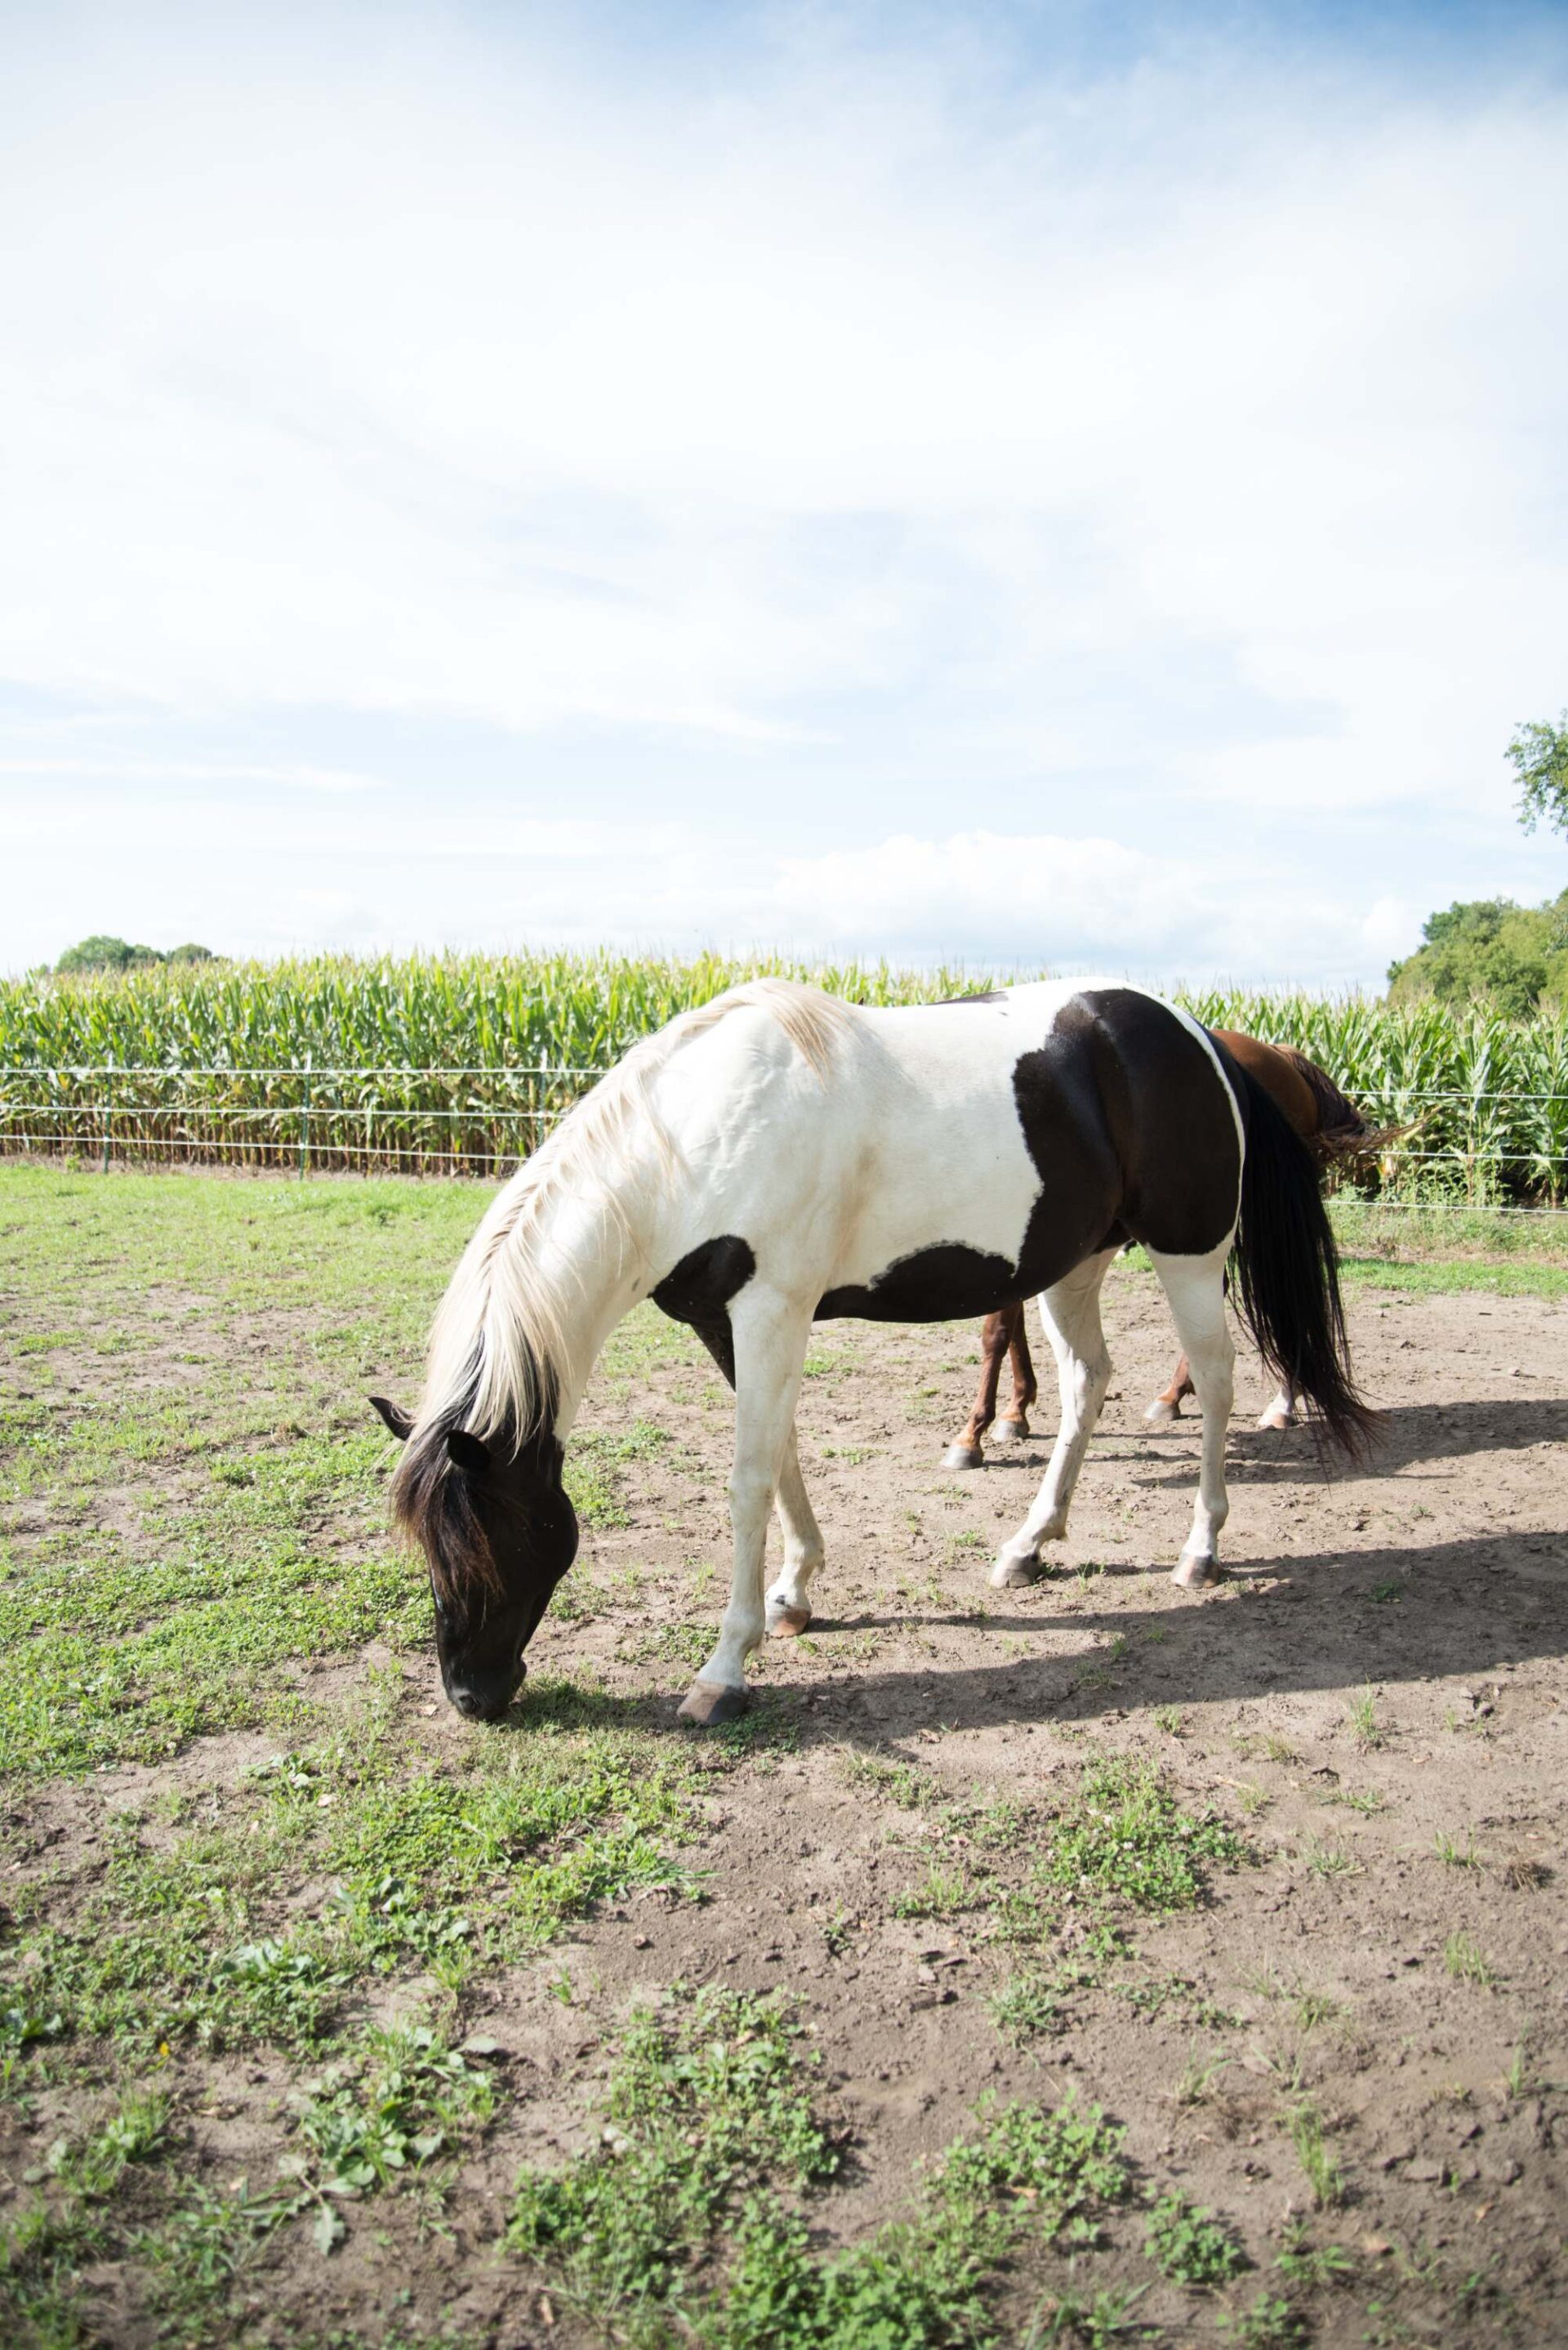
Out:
{"x": 688, "y": 1645}
{"x": 367, "y": 2123}
{"x": 1271, "y": 2323}
{"x": 1454, "y": 1854}
{"x": 941, "y": 1893}
{"x": 1319, "y": 2167}
{"x": 1315, "y": 2267}
{"x": 1465, "y": 1962}
{"x": 1091, "y": 2321}
{"x": 707, "y": 2102}
{"x": 709, "y": 2117}
{"x": 1029, "y": 2005}
{"x": 1329, "y": 1860}
{"x": 1124, "y": 1837}
{"x": 439, "y": 1868}
{"x": 1199, "y": 2076}
{"x": 902, "y": 1782}
{"x": 596, "y": 1461}
{"x": 1429, "y": 1277}
{"x": 1364, "y": 1725}
{"x": 1192, "y": 2247}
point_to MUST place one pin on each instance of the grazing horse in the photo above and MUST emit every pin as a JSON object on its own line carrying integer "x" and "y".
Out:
{"x": 1331, "y": 1129}
{"x": 779, "y": 1158}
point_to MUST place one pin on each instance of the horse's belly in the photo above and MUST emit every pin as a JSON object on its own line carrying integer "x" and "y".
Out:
{"x": 941, "y": 1234}
{"x": 945, "y": 1283}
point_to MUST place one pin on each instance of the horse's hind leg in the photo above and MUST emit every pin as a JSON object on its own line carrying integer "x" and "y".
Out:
{"x": 1071, "y": 1313}
{"x": 1195, "y": 1287}
{"x": 1167, "y": 1407}
{"x": 1015, "y": 1420}
{"x": 789, "y": 1601}
{"x": 1283, "y": 1412}
{"x": 967, "y": 1454}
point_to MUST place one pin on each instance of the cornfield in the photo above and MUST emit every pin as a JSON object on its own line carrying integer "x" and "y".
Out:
{"x": 459, "y": 1063}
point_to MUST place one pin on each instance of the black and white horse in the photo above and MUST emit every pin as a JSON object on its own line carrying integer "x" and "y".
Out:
{"x": 780, "y": 1157}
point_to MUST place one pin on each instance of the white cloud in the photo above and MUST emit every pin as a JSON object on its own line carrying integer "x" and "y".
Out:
{"x": 1040, "y": 900}
{"x": 1198, "y": 426}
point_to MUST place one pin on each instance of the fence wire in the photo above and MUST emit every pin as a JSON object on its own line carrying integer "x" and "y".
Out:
{"x": 1452, "y": 1152}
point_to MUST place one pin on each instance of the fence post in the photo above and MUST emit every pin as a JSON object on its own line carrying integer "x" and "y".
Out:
{"x": 305, "y": 1124}
{"x": 108, "y": 1110}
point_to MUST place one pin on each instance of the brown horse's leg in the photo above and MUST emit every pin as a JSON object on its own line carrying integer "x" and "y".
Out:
{"x": 1284, "y": 1412}
{"x": 1167, "y": 1407}
{"x": 1016, "y": 1424}
{"x": 967, "y": 1453}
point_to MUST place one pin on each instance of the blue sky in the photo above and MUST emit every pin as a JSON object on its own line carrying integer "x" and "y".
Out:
{"x": 1020, "y": 484}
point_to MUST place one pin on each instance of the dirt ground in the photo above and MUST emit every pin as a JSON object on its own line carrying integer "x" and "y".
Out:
{"x": 1374, "y": 1699}
{"x": 1435, "y": 1580}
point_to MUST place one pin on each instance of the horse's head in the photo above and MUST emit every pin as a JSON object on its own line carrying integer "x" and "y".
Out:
{"x": 499, "y": 1533}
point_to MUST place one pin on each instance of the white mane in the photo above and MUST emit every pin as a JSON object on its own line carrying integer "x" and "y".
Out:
{"x": 499, "y": 1345}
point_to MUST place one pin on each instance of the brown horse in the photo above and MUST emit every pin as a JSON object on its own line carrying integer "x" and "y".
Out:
{"x": 1332, "y": 1127}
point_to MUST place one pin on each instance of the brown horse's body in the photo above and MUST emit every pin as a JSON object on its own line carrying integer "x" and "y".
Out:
{"x": 1330, "y": 1126}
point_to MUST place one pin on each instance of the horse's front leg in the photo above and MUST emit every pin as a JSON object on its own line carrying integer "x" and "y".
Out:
{"x": 789, "y": 1601}
{"x": 967, "y": 1454}
{"x": 770, "y": 1337}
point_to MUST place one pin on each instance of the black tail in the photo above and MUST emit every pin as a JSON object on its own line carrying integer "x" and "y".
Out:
{"x": 1286, "y": 1274}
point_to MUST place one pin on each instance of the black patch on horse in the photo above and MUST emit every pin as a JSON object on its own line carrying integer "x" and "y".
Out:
{"x": 1132, "y": 1134}
{"x": 1130, "y": 1125}
{"x": 698, "y": 1291}
{"x": 946, "y": 1283}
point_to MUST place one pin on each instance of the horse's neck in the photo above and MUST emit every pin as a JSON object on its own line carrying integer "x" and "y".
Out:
{"x": 592, "y": 1257}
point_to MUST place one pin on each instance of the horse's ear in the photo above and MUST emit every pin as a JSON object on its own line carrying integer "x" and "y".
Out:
{"x": 466, "y": 1451}
{"x": 399, "y": 1422}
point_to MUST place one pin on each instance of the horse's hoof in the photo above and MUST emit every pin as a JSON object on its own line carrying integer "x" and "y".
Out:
{"x": 1160, "y": 1413}
{"x": 1014, "y": 1574}
{"x": 1195, "y": 1572}
{"x": 707, "y": 1704}
{"x": 1277, "y": 1420}
{"x": 963, "y": 1456}
{"x": 1012, "y": 1431}
{"x": 787, "y": 1623}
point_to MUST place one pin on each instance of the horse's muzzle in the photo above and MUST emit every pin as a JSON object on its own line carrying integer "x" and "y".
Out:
{"x": 485, "y": 1701}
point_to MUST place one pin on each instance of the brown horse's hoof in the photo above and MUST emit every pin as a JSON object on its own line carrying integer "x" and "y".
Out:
{"x": 1162, "y": 1412}
{"x": 788, "y": 1623}
{"x": 1012, "y": 1431}
{"x": 1197, "y": 1574}
{"x": 706, "y": 1704}
{"x": 963, "y": 1456}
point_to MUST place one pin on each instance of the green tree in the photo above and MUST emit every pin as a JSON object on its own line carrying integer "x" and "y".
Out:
{"x": 1540, "y": 756}
{"x": 101, "y": 952}
{"x": 1491, "y": 949}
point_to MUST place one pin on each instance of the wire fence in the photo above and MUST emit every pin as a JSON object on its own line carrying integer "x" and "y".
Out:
{"x": 1452, "y": 1148}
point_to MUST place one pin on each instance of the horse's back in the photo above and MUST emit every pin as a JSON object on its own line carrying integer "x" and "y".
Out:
{"x": 949, "y": 1159}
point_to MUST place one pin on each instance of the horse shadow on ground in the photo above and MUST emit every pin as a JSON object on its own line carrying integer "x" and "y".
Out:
{"x": 1406, "y": 1435}
{"x": 1319, "y": 1623}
